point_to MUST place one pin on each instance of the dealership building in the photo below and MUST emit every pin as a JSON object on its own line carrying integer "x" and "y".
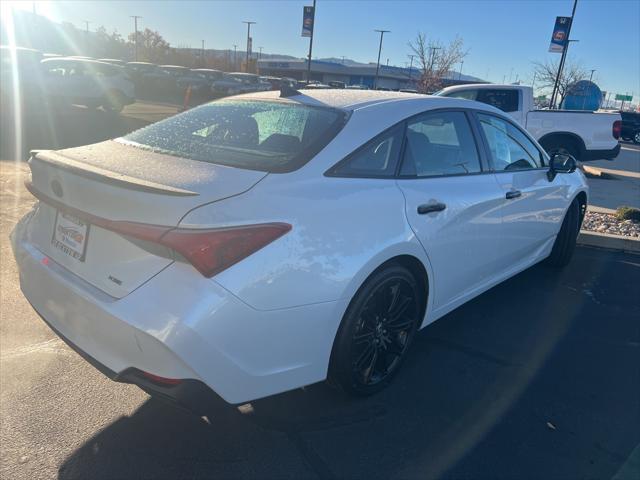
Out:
{"x": 323, "y": 71}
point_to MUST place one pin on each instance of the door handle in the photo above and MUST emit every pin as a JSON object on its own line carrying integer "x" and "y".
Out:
{"x": 513, "y": 194}
{"x": 430, "y": 207}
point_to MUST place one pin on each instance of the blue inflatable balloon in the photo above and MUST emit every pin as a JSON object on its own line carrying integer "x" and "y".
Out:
{"x": 582, "y": 95}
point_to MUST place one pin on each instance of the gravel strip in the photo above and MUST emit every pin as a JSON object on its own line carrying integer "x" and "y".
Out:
{"x": 607, "y": 223}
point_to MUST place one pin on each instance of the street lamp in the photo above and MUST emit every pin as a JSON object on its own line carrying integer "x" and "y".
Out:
{"x": 382, "y": 32}
{"x": 248, "y": 41}
{"x": 135, "y": 26}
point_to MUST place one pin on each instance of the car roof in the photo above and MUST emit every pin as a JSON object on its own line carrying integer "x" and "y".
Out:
{"x": 340, "y": 98}
{"x": 484, "y": 86}
{"x": 175, "y": 67}
{"x": 352, "y": 100}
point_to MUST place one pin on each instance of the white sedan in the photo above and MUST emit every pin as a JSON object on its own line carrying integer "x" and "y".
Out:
{"x": 269, "y": 241}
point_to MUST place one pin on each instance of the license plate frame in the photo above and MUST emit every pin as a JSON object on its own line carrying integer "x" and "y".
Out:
{"x": 70, "y": 235}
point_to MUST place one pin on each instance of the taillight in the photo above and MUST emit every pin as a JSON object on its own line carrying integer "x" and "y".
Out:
{"x": 617, "y": 129}
{"x": 212, "y": 251}
{"x": 209, "y": 251}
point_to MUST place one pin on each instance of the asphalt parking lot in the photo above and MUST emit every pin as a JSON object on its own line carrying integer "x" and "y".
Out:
{"x": 537, "y": 378}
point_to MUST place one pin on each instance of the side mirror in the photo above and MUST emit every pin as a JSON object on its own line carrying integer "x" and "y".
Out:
{"x": 561, "y": 163}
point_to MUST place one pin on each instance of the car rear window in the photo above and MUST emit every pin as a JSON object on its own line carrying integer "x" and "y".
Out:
{"x": 271, "y": 136}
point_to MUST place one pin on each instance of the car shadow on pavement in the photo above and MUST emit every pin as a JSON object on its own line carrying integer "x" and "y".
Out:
{"x": 62, "y": 127}
{"x": 533, "y": 379}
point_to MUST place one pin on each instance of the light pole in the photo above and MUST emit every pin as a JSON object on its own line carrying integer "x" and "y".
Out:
{"x": 584, "y": 97}
{"x": 460, "y": 73}
{"x": 86, "y": 23}
{"x": 235, "y": 58}
{"x": 375, "y": 81}
{"x": 202, "y": 57}
{"x": 260, "y": 52}
{"x": 135, "y": 27}
{"x": 248, "y": 41}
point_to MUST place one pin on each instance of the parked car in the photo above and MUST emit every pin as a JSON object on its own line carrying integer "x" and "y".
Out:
{"x": 336, "y": 84}
{"x": 275, "y": 83}
{"x": 630, "y": 126}
{"x": 250, "y": 82}
{"x": 262, "y": 243}
{"x": 235, "y": 83}
{"x": 316, "y": 86}
{"x": 113, "y": 61}
{"x": 585, "y": 135}
{"x": 20, "y": 80}
{"x": 200, "y": 79}
{"x": 87, "y": 82}
{"x": 150, "y": 79}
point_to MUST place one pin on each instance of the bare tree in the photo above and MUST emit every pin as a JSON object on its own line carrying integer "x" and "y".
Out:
{"x": 153, "y": 47}
{"x": 436, "y": 60}
{"x": 545, "y": 74}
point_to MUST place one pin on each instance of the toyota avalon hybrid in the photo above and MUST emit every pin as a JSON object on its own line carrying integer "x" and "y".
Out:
{"x": 268, "y": 241}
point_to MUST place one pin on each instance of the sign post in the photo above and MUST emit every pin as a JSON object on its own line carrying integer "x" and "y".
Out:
{"x": 308, "y": 20}
{"x": 561, "y": 40}
{"x": 623, "y": 98}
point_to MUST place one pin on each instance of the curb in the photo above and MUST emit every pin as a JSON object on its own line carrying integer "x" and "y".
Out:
{"x": 606, "y": 240}
{"x": 594, "y": 172}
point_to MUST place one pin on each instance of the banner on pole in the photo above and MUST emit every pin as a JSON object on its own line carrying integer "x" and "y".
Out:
{"x": 307, "y": 21}
{"x": 560, "y": 35}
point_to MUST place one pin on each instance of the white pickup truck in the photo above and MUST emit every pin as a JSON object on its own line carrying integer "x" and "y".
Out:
{"x": 585, "y": 135}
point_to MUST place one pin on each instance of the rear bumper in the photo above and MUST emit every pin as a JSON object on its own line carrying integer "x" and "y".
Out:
{"x": 192, "y": 394}
{"x": 181, "y": 325}
{"x": 590, "y": 155}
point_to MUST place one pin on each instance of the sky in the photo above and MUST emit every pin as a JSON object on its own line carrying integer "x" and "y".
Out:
{"x": 504, "y": 37}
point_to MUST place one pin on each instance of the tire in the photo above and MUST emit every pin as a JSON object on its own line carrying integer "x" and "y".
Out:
{"x": 114, "y": 102}
{"x": 565, "y": 243}
{"x": 376, "y": 331}
{"x": 636, "y": 137}
{"x": 560, "y": 146}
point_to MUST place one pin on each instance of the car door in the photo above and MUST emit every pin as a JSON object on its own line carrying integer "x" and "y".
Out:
{"x": 532, "y": 206}
{"x": 452, "y": 203}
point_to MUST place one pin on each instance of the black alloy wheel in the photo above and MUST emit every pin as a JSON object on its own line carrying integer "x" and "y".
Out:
{"x": 377, "y": 331}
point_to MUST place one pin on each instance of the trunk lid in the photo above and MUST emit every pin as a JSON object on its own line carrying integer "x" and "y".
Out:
{"x": 119, "y": 183}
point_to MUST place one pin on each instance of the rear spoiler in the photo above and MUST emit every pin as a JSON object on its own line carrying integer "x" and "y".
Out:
{"x": 105, "y": 176}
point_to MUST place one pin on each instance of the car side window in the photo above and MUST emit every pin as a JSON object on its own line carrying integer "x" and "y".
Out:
{"x": 466, "y": 94}
{"x": 377, "y": 158}
{"x": 440, "y": 143}
{"x": 510, "y": 148}
{"x": 505, "y": 100}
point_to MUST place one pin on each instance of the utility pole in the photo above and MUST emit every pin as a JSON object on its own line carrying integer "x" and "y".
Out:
{"x": 86, "y": 23}
{"x": 460, "y": 74}
{"x": 313, "y": 29}
{"x": 235, "y": 58}
{"x": 563, "y": 57}
{"x": 375, "y": 81}
{"x": 248, "y": 41}
{"x": 202, "y": 56}
{"x": 584, "y": 98}
{"x": 411, "y": 67}
{"x": 260, "y": 53}
{"x": 135, "y": 27}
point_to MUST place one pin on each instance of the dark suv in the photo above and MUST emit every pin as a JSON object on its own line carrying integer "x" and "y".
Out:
{"x": 630, "y": 126}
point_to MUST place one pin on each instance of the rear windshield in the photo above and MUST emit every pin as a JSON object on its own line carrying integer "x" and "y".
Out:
{"x": 271, "y": 136}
